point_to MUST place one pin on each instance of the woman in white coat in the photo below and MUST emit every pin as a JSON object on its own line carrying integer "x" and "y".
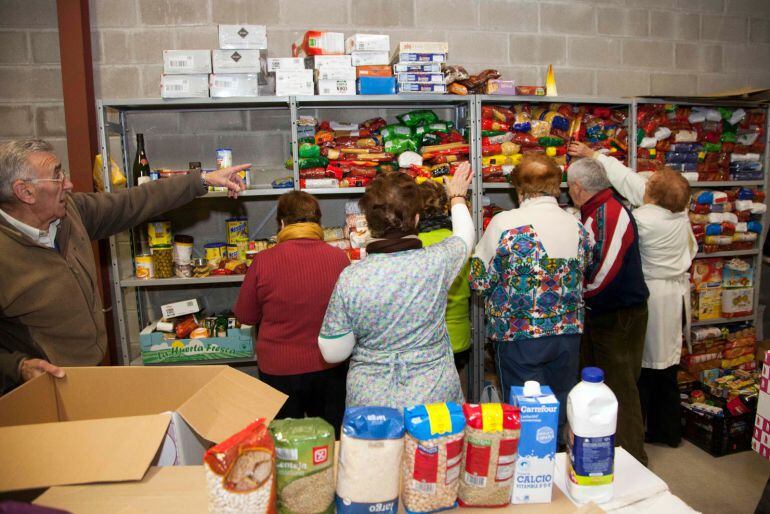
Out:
{"x": 667, "y": 246}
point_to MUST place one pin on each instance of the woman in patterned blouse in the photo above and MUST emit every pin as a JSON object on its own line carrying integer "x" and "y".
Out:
{"x": 528, "y": 266}
{"x": 388, "y": 310}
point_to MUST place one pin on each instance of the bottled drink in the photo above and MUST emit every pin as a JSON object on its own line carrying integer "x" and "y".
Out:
{"x": 592, "y": 412}
{"x": 141, "y": 168}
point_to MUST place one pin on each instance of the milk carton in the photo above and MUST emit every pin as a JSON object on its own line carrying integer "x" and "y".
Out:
{"x": 537, "y": 442}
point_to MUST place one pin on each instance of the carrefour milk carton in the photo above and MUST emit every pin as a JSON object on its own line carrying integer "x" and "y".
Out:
{"x": 537, "y": 443}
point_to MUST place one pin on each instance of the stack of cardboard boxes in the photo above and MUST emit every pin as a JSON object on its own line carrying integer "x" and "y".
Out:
{"x": 419, "y": 66}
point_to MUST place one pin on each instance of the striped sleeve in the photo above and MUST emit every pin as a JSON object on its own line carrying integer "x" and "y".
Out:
{"x": 613, "y": 235}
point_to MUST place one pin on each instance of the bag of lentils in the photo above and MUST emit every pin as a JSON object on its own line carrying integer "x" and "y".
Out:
{"x": 489, "y": 454}
{"x": 432, "y": 457}
{"x": 304, "y": 458}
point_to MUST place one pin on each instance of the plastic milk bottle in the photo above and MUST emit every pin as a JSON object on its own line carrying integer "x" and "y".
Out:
{"x": 533, "y": 478}
{"x": 592, "y": 413}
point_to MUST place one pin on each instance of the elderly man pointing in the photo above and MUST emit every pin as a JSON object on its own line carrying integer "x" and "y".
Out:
{"x": 50, "y": 310}
{"x": 667, "y": 246}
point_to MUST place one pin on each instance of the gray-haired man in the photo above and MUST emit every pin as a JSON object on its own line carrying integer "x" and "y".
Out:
{"x": 50, "y": 310}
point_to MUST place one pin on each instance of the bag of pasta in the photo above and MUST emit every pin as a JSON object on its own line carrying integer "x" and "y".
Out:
{"x": 432, "y": 457}
{"x": 489, "y": 454}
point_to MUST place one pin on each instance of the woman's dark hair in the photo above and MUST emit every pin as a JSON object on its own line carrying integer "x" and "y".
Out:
{"x": 434, "y": 198}
{"x": 298, "y": 207}
{"x": 391, "y": 203}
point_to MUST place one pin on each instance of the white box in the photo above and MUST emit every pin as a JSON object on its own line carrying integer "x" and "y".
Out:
{"x": 184, "y": 86}
{"x": 332, "y": 61}
{"x": 186, "y": 62}
{"x": 225, "y": 85}
{"x": 298, "y": 82}
{"x": 285, "y": 64}
{"x": 329, "y": 73}
{"x": 237, "y": 61}
{"x": 243, "y": 36}
{"x": 367, "y": 43}
{"x": 173, "y": 310}
{"x": 423, "y": 47}
{"x": 370, "y": 58}
{"x": 337, "y": 87}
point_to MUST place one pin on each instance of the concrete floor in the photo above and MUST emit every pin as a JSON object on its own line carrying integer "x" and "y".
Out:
{"x": 713, "y": 485}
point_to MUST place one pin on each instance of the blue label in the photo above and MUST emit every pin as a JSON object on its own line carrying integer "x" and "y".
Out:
{"x": 348, "y": 507}
{"x": 593, "y": 456}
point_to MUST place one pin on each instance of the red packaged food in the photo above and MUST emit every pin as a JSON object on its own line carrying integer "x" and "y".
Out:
{"x": 240, "y": 472}
{"x": 319, "y": 172}
{"x": 185, "y": 326}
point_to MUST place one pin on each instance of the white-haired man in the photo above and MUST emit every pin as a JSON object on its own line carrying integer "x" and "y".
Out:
{"x": 50, "y": 310}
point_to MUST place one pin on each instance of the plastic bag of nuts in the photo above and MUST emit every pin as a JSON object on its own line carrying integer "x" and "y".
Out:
{"x": 240, "y": 472}
{"x": 489, "y": 454}
{"x": 431, "y": 465}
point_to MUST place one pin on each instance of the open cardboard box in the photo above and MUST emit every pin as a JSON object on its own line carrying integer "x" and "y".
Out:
{"x": 110, "y": 424}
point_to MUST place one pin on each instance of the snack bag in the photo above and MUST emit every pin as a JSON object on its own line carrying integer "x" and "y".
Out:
{"x": 432, "y": 460}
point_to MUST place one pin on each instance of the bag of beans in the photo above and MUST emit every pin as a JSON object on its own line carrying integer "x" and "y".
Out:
{"x": 371, "y": 445}
{"x": 432, "y": 460}
{"x": 489, "y": 454}
{"x": 240, "y": 472}
{"x": 304, "y": 457}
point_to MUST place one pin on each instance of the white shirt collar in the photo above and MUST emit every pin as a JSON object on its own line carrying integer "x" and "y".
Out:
{"x": 539, "y": 200}
{"x": 43, "y": 237}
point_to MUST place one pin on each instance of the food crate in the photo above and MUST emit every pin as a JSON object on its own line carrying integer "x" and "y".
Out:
{"x": 718, "y": 435}
{"x": 156, "y": 349}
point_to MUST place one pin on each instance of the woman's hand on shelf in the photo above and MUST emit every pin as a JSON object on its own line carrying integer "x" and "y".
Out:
{"x": 578, "y": 149}
{"x": 229, "y": 178}
{"x": 457, "y": 185}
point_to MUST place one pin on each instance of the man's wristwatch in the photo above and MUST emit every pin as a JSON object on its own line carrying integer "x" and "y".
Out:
{"x": 203, "y": 180}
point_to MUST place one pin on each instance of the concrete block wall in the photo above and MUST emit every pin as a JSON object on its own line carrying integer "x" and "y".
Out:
{"x": 598, "y": 47}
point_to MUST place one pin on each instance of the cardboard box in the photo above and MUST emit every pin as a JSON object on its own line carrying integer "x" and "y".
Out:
{"x": 422, "y": 78}
{"x": 737, "y": 302}
{"x": 108, "y": 424}
{"x": 417, "y": 67}
{"x": 184, "y": 86}
{"x": 331, "y": 61}
{"x": 285, "y": 64}
{"x": 156, "y": 349}
{"x": 337, "y": 87}
{"x": 319, "y": 42}
{"x": 243, "y": 36}
{"x": 298, "y": 82}
{"x": 415, "y": 87}
{"x": 239, "y": 61}
{"x": 423, "y": 47}
{"x": 707, "y": 304}
{"x": 329, "y": 73}
{"x": 367, "y": 43}
{"x": 706, "y": 273}
{"x": 377, "y": 85}
{"x": 374, "y": 71}
{"x": 412, "y": 57}
{"x": 501, "y": 87}
{"x": 172, "y": 310}
{"x": 186, "y": 62}
{"x": 760, "y": 441}
{"x": 227, "y": 85}
{"x": 370, "y": 58}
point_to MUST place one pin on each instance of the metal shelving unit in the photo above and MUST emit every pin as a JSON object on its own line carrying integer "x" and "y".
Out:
{"x": 466, "y": 111}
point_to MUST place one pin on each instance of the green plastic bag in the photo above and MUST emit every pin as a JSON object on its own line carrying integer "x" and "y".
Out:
{"x": 430, "y": 139}
{"x": 309, "y": 150}
{"x": 433, "y": 127}
{"x": 712, "y": 147}
{"x": 550, "y": 141}
{"x": 308, "y": 162}
{"x": 304, "y": 458}
{"x": 391, "y": 132}
{"x": 420, "y": 117}
{"x": 399, "y": 146}
{"x": 492, "y": 133}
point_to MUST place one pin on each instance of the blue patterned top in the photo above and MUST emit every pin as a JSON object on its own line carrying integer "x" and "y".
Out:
{"x": 395, "y": 304}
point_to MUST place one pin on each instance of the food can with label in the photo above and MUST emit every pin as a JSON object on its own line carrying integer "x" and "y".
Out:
{"x": 144, "y": 267}
{"x": 232, "y": 252}
{"x": 159, "y": 232}
{"x": 237, "y": 229}
{"x": 250, "y": 254}
{"x": 224, "y": 158}
{"x": 214, "y": 253}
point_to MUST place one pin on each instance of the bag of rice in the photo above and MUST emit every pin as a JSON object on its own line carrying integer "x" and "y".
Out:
{"x": 304, "y": 458}
{"x": 240, "y": 472}
{"x": 489, "y": 454}
{"x": 432, "y": 457}
{"x": 371, "y": 445}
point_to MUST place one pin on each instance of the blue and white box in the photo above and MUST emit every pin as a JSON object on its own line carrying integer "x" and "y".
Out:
{"x": 533, "y": 479}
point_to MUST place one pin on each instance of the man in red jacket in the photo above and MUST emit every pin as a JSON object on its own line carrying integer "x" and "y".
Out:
{"x": 616, "y": 297}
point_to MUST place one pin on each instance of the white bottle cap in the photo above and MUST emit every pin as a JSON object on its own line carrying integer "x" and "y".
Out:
{"x": 531, "y": 388}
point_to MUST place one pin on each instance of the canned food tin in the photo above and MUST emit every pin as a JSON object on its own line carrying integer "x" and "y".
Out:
{"x": 237, "y": 229}
{"x": 183, "y": 247}
{"x": 213, "y": 253}
{"x": 159, "y": 232}
{"x": 250, "y": 254}
{"x": 163, "y": 261}
{"x": 224, "y": 158}
{"x": 154, "y": 174}
{"x": 243, "y": 247}
{"x": 232, "y": 252}
{"x": 144, "y": 268}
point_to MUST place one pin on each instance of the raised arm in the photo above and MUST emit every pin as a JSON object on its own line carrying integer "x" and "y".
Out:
{"x": 457, "y": 188}
{"x": 629, "y": 184}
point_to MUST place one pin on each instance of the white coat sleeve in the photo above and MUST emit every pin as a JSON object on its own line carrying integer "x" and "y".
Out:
{"x": 462, "y": 226}
{"x": 629, "y": 184}
{"x": 336, "y": 349}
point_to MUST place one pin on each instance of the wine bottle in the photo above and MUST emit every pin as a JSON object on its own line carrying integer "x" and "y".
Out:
{"x": 141, "y": 169}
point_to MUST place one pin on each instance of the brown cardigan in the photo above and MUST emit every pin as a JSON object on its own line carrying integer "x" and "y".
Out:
{"x": 49, "y": 300}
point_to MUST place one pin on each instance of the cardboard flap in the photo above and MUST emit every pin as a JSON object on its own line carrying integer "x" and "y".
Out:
{"x": 228, "y": 403}
{"x": 79, "y": 452}
{"x": 31, "y": 402}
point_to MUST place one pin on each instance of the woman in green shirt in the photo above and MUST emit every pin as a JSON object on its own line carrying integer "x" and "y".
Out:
{"x": 436, "y": 225}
